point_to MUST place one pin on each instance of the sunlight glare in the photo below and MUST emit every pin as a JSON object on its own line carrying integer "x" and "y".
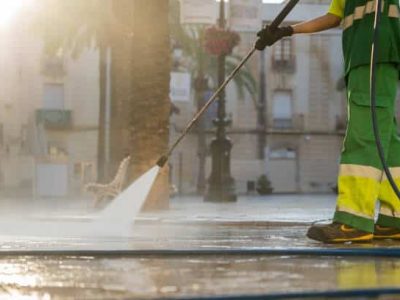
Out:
{"x": 9, "y": 8}
{"x": 265, "y": 1}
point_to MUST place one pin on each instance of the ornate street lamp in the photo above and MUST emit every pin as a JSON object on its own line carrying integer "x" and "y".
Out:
{"x": 221, "y": 185}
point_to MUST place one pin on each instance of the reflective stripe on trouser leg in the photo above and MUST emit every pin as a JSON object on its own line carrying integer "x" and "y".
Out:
{"x": 361, "y": 171}
{"x": 389, "y": 214}
{"x": 357, "y": 196}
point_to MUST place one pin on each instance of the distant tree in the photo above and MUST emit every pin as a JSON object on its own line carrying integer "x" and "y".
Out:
{"x": 139, "y": 75}
{"x": 263, "y": 186}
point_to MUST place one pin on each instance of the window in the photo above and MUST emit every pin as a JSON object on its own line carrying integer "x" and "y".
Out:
{"x": 53, "y": 96}
{"x": 282, "y": 109}
{"x": 282, "y": 56}
{"x": 53, "y": 66}
{"x": 282, "y": 153}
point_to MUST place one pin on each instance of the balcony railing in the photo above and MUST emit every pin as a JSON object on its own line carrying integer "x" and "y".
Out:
{"x": 294, "y": 123}
{"x": 287, "y": 65}
{"x": 282, "y": 123}
{"x": 54, "y": 118}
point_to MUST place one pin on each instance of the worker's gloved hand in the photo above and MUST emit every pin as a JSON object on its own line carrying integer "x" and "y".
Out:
{"x": 268, "y": 36}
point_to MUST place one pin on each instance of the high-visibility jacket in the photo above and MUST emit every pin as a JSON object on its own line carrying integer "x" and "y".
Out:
{"x": 358, "y": 33}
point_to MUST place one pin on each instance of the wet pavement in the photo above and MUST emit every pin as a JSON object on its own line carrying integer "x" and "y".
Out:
{"x": 276, "y": 222}
{"x": 102, "y": 278}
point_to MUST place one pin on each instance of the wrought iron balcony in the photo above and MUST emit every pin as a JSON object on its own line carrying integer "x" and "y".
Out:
{"x": 54, "y": 118}
{"x": 295, "y": 123}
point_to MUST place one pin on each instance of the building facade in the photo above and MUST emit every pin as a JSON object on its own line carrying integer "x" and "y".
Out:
{"x": 294, "y": 132}
{"x": 48, "y": 116}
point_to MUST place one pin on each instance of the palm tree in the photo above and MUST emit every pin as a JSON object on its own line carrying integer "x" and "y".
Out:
{"x": 203, "y": 68}
{"x": 139, "y": 75}
{"x": 150, "y": 106}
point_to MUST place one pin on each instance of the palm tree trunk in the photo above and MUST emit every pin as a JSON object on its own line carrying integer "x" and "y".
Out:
{"x": 150, "y": 103}
{"x": 140, "y": 106}
{"x": 121, "y": 81}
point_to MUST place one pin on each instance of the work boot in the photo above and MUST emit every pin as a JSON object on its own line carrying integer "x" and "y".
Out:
{"x": 338, "y": 233}
{"x": 382, "y": 233}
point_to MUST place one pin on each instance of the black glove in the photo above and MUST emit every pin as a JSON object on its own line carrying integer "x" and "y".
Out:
{"x": 268, "y": 37}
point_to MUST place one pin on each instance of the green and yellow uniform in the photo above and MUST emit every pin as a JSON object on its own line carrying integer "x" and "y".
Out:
{"x": 361, "y": 179}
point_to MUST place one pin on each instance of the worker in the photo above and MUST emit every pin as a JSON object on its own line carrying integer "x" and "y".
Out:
{"x": 361, "y": 180}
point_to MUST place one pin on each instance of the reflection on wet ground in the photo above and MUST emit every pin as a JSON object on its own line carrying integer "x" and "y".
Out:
{"x": 150, "y": 277}
{"x": 199, "y": 235}
{"x": 221, "y": 227}
{"x": 90, "y": 277}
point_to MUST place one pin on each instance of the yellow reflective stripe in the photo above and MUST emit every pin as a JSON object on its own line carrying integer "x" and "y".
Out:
{"x": 367, "y": 172}
{"x": 393, "y": 11}
{"x": 348, "y": 22}
{"x": 360, "y": 171}
{"x": 361, "y": 11}
{"x": 385, "y": 210}
{"x": 395, "y": 173}
{"x": 370, "y": 7}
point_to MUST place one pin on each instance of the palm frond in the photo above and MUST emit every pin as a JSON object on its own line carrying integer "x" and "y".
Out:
{"x": 244, "y": 79}
{"x": 73, "y": 24}
{"x": 189, "y": 38}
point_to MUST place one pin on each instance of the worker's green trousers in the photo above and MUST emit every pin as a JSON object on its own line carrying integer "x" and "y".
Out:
{"x": 361, "y": 181}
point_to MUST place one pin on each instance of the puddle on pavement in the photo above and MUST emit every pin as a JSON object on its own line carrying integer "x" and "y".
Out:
{"x": 158, "y": 277}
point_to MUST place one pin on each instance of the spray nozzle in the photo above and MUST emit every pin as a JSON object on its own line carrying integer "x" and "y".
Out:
{"x": 162, "y": 161}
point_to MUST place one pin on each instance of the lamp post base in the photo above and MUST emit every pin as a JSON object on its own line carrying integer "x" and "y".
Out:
{"x": 221, "y": 185}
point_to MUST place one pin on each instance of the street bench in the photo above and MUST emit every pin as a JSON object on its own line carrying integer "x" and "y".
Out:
{"x": 104, "y": 192}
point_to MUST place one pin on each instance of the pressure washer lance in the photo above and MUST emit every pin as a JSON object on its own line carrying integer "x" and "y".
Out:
{"x": 275, "y": 23}
{"x": 374, "y": 58}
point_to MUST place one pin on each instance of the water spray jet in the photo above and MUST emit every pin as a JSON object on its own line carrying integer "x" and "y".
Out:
{"x": 122, "y": 204}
